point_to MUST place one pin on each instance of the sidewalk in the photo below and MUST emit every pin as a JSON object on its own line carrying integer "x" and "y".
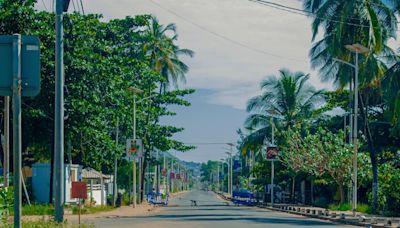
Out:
{"x": 123, "y": 211}
{"x": 345, "y": 217}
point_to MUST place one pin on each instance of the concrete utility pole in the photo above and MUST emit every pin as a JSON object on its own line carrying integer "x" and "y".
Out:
{"x": 61, "y": 7}
{"x": 115, "y": 189}
{"x": 135, "y": 91}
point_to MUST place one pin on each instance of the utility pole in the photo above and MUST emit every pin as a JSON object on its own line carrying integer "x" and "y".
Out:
{"x": 17, "y": 136}
{"x": 165, "y": 169}
{"x": 61, "y": 7}
{"x": 272, "y": 162}
{"x": 115, "y": 189}
{"x": 6, "y": 141}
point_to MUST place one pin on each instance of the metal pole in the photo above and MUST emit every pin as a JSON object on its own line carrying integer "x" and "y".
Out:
{"x": 59, "y": 117}
{"x": 134, "y": 160}
{"x": 164, "y": 179}
{"x": 115, "y": 189}
{"x": 6, "y": 140}
{"x": 17, "y": 137}
{"x": 231, "y": 173}
{"x": 355, "y": 131}
{"x": 272, "y": 162}
{"x": 217, "y": 177}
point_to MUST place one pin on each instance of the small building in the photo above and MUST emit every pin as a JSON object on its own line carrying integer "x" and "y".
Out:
{"x": 99, "y": 185}
{"x": 41, "y": 181}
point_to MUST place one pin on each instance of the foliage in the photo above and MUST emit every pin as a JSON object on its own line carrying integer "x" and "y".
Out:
{"x": 321, "y": 153}
{"x": 288, "y": 97}
{"x": 50, "y": 224}
{"x": 6, "y": 203}
{"x": 102, "y": 60}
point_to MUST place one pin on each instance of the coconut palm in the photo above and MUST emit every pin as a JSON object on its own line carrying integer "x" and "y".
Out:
{"x": 164, "y": 55}
{"x": 391, "y": 85}
{"x": 370, "y": 23}
{"x": 289, "y": 98}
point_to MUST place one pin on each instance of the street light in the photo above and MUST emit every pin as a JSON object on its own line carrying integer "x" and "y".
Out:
{"x": 135, "y": 91}
{"x": 357, "y": 49}
{"x": 230, "y": 171}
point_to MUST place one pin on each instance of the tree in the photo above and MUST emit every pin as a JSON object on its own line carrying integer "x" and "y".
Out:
{"x": 289, "y": 98}
{"x": 370, "y": 23}
{"x": 321, "y": 153}
{"x": 164, "y": 54}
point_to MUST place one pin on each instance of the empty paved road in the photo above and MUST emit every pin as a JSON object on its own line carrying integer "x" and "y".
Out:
{"x": 212, "y": 212}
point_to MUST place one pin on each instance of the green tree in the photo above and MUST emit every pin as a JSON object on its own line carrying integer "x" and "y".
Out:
{"x": 164, "y": 54}
{"x": 289, "y": 97}
{"x": 370, "y": 23}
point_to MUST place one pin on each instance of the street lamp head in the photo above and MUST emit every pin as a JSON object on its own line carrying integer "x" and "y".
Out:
{"x": 135, "y": 90}
{"x": 357, "y": 48}
{"x": 230, "y": 144}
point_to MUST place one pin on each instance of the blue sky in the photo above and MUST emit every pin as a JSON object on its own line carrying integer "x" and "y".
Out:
{"x": 206, "y": 123}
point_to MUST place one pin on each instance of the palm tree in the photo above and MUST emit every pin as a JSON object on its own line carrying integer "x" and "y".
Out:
{"x": 289, "y": 98}
{"x": 391, "y": 85}
{"x": 164, "y": 55}
{"x": 368, "y": 22}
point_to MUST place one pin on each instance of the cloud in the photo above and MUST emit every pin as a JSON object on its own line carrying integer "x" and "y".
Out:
{"x": 237, "y": 42}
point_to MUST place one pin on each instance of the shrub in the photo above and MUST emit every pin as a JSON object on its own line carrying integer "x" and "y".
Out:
{"x": 340, "y": 207}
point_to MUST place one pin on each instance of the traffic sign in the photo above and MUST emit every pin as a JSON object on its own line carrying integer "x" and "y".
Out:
{"x": 134, "y": 149}
{"x": 30, "y": 65}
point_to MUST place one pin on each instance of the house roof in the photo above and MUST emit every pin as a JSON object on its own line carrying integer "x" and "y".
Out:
{"x": 89, "y": 173}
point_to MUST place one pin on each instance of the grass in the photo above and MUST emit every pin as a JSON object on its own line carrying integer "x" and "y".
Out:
{"x": 91, "y": 210}
{"x": 361, "y": 207}
{"x": 49, "y": 224}
{"x": 36, "y": 209}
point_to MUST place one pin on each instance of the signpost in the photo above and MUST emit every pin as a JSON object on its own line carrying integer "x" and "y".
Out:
{"x": 272, "y": 154}
{"x": 79, "y": 191}
{"x": 134, "y": 151}
{"x": 20, "y": 76}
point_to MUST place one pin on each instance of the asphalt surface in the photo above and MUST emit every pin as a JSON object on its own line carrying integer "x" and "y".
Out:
{"x": 211, "y": 211}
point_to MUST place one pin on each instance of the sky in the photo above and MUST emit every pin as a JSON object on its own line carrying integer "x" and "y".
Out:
{"x": 237, "y": 43}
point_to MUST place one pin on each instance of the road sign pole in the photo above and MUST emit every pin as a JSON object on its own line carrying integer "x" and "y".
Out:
{"x": 272, "y": 162}
{"x": 59, "y": 117}
{"x": 134, "y": 160}
{"x": 17, "y": 138}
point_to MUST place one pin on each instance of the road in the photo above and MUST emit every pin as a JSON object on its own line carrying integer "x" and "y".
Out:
{"x": 212, "y": 212}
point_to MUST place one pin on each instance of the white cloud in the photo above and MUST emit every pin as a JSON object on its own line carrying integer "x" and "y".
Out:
{"x": 236, "y": 41}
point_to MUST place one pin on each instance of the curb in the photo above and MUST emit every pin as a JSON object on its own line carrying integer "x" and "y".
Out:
{"x": 370, "y": 222}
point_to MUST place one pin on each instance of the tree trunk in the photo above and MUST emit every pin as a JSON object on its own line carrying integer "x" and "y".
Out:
{"x": 341, "y": 192}
{"x": 292, "y": 197}
{"x": 372, "y": 154}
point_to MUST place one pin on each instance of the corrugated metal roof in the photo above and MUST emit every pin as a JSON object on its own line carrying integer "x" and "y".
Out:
{"x": 89, "y": 173}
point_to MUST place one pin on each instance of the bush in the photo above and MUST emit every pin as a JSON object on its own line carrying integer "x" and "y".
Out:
{"x": 361, "y": 207}
{"x": 340, "y": 207}
{"x": 125, "y": 199}
{"x": 364, "y": 208}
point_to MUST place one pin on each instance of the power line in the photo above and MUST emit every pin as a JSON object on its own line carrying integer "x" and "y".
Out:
{"x": 44, "y": 4}
{"x": 306, "y": 13}
{"x": 83, "y": 11}
{"x": 226, "y": 37}
{"x": 207, "y": 143}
